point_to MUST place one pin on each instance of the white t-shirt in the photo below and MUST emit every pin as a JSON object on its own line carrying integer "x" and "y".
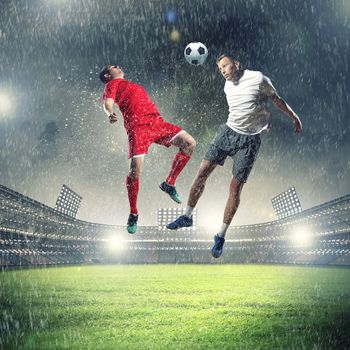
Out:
{"x": 247, "y": 101}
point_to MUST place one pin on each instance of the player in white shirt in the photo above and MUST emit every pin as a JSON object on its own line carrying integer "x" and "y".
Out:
{"x": 247, "y": 93}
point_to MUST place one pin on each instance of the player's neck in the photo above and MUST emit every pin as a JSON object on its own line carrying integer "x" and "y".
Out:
{"x": 238, "y": 74}
{"x": 120, "y": 76}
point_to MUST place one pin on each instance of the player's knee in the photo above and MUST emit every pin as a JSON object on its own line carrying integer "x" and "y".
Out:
{"x": 197, "y": 187}
{"x": 202, "y": 176}
{"x": 235, "y": 193}
{"x": 192, "y": 144}
{"x": 235, "y": 189}
{"x": 134, "y": 174}
{"x": 189, "y": 145}
{"x": 205, "y": 169}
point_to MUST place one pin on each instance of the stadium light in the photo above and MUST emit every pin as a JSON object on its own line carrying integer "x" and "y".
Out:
{"x": 286, "y": 204}
{"x": 116, "y": 243}
{"x": 5, "y": 103}
{"x": 301, "y": 235}
{"x": 210, "y": 222}
{"x": 68, "y": 202}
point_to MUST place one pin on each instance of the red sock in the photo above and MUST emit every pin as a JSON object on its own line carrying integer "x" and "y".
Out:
{"x": 180, "y": 160}
{"x": 132, "y": 185}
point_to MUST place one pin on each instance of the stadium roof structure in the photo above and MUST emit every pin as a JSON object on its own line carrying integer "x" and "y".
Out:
{"x": 33, "y": 233}
{"x": 21, "y": 214}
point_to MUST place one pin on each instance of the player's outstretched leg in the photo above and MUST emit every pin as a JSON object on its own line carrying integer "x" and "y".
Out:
{"x": 196, "y": 191}
{"x": 230, "y": 210}
{"x": 132, "y": 186}
{"x": 186, "y": 144}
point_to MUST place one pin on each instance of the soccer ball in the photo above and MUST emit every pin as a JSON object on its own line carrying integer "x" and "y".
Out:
{"x": 196, "y": 53}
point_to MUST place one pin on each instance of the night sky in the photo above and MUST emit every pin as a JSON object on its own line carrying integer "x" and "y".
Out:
{"x": 53, "y": 130}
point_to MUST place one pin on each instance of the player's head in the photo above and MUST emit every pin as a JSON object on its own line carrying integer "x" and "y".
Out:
{"x": 229, "y": 67}
{"x": 110, "y": 72}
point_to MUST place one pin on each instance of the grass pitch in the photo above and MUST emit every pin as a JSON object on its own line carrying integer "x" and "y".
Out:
{"x": 175, "y": 307}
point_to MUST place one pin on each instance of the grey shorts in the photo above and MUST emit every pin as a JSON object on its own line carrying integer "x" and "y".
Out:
{"x": 243, "y": 150}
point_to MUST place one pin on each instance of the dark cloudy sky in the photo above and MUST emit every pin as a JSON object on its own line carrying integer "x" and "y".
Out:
{"x": 53, "y": 130}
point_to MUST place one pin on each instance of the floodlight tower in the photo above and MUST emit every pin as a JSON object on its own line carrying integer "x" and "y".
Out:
{"x": 68, "y": 202}
{"x": 5, "y": 103}
{"x": 286, "y": 203}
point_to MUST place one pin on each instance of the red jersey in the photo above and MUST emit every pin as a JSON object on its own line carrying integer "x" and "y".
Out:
{"x": 134, "y": 103}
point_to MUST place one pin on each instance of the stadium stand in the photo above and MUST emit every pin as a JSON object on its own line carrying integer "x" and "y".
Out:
{"x": 32, "y": 233}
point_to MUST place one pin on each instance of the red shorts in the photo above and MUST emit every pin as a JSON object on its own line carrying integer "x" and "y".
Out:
{"x": 143, "y": 136}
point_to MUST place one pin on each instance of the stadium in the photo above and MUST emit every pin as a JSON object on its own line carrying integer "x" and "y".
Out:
{"x": 35, "y": 234}
{"x": 72, "y": 277}
{"x": 126, "y": 288}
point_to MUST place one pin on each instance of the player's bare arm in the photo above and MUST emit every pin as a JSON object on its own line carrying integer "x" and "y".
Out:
{"x": 108, "y": 108}
{"x": 286, "y": 109}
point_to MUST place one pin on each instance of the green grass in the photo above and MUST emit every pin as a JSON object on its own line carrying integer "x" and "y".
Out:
{"x": 175, "y": 307}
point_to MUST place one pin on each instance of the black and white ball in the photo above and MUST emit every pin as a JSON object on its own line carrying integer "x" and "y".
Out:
{"x": 196, "y": 53}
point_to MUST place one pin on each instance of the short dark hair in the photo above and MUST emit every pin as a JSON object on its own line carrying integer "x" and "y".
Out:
{"x": 103, "y": 72}
{"x": 226, "y": 55}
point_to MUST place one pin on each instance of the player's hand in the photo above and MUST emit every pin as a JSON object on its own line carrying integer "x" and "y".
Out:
{"x": 297, "y": 125}
{"x": 113, "y": 118}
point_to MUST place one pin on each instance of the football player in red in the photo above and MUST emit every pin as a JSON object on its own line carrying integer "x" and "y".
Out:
{"x": 144, "y": 126}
